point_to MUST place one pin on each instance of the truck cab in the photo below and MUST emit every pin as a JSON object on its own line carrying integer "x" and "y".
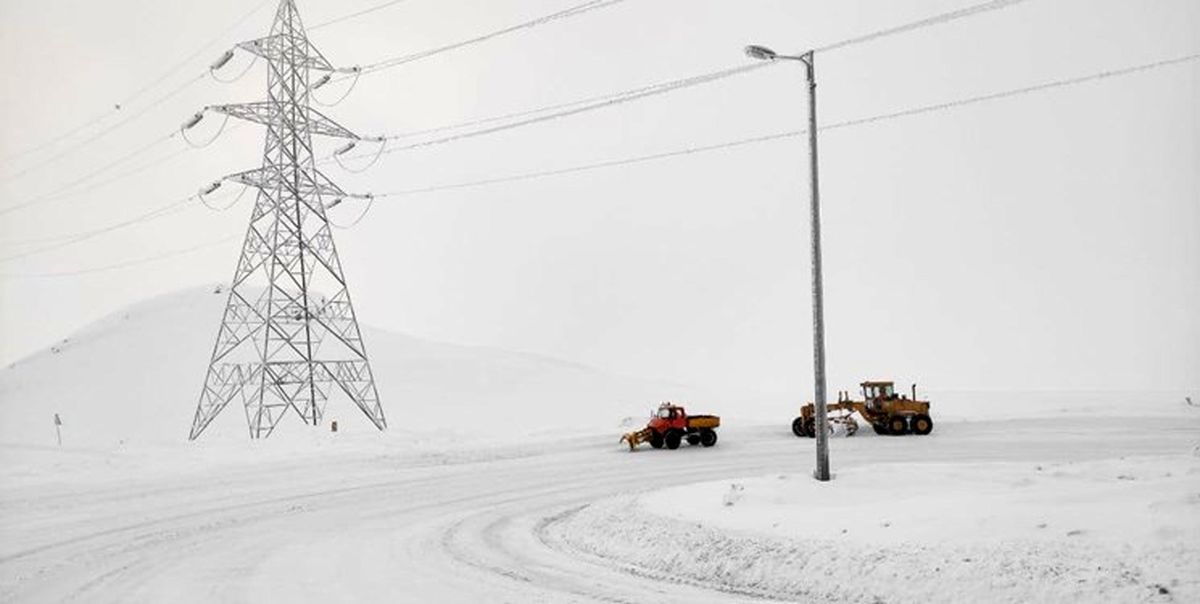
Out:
{"x": 668, "y": 417}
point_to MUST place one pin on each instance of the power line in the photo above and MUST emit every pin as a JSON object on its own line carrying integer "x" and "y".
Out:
{"x": 149, "y": 86}
{"x": 66, "y": 192}
{"x": 355, "y": 14}
{"x": 611, "y": 101}
{"x": 585, "y": 101}
{"x": 586, "y": 105}
{"x": 569, "y": 12}
{"x": 593, "y": 166}
{"x": 164, "y": 210}
{"x": 96, "y": 136}
{"x": 59, "y": 193}
{"x": 924, "y": 109}
{"x": 933, "y": 21}
{"x": 100, "y": 185}
{"x": 188, "y": 59}
{"x": 1103, "y": 75}
{"x": 135, "y": 95}
{"x": 161, "y": 211}
{"x": 954, "y": 15}
{"x": 577, "y": 9}
{"x": 125, "y": 264}
{"x": 64, "y": 135}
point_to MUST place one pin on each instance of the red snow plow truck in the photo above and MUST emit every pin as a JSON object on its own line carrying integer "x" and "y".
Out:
{"x": 671, "y": 425}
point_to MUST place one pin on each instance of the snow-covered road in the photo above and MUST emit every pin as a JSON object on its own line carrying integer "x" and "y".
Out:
{"x": 421, "y": 525}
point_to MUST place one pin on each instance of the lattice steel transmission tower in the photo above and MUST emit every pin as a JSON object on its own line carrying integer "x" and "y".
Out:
{"x": 289, "y": 338}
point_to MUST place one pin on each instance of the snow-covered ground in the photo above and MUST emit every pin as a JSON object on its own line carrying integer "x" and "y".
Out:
{"x": 501, "y": 480}
{"x": 1123, "y": 529}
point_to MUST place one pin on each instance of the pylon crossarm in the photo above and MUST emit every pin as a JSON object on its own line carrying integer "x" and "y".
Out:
{"x": 276, "y": 47}
{"x": 270, "y": 179}
{"x": 261, "y": 113}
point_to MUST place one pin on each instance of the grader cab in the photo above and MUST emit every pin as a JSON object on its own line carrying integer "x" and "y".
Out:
{"x": 887, "y": 412}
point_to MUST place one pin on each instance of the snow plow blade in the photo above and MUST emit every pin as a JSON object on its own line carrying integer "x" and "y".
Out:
{"x": 636, "y": 438}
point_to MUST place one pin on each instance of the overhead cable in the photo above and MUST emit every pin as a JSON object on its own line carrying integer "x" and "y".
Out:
{"x": 120, "y": 265}
{"x": 577, "y": 9}
{"x": 913, "y": 111}
{"x": 572, "y": 11}
{"x": 122, "y": 104}
{"x": 68, "y": 193}
{"x": 924, "y": 109}
{"x": 938, "y": 19}
{"x": 586, "y": 105}
{"x": 606, "y": 101}
{"x": 164, "y": 210}
{"x": 58, "y": 193}
{"x": 97, "y": 135}
{"x": 355, "y": 14}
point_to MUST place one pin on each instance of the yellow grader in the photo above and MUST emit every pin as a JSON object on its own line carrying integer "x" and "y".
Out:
{"x": 887, "y": 412}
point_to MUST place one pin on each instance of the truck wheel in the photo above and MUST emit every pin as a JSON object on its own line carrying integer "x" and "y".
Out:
{"x": 922, "y": 424}
{"x": 898, "y": 425}
{"x": 693, "y": 439}
{"x": 708, "y": 438}
{"x": 656, "y": 440}
{"x": 798, "y": 427}
{"x": 673, "y": 439}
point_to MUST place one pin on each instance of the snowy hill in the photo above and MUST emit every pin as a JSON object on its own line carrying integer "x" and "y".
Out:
{"x": 133, "y": 378}
{"x": 500, "y": 478}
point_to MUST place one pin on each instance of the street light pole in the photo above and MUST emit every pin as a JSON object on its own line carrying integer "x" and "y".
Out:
{"x": 818, "y": 293}
{"x": 818, "y": 297}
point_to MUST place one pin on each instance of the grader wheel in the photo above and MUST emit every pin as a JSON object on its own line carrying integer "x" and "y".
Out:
{"x": 798, "y": 427}
{"x": 921, "y": 425}
{"x": 898, "y": 425}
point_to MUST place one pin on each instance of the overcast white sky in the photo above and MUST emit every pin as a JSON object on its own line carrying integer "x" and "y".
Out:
{"x": 1045, "y": 241}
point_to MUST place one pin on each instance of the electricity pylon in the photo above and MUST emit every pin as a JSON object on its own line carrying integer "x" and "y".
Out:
{"x": 289, "y": 335}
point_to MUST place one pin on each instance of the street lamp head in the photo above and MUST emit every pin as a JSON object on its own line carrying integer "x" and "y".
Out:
{"x": 761, "y": 52}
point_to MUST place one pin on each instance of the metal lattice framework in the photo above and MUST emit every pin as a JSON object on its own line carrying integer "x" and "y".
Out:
{"x": 281, "y": 346}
